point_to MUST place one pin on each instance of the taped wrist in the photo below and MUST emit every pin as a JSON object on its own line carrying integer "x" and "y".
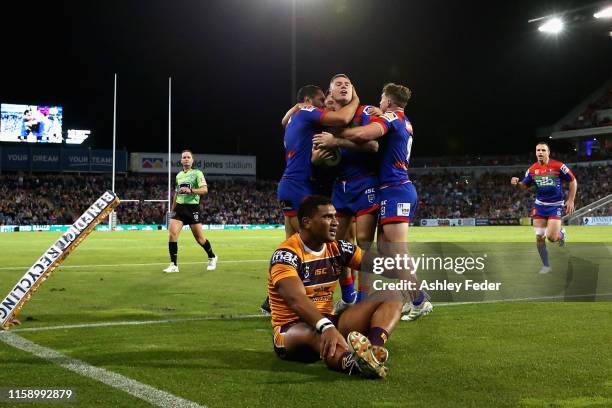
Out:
{"x": 323, "y": 325}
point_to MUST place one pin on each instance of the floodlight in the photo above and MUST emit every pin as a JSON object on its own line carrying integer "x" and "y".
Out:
{"x": 604, "y": 13}
{"x": 553, "y": 26}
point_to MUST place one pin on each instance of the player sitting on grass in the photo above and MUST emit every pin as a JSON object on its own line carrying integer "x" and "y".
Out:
{"x": 303, "y": 274}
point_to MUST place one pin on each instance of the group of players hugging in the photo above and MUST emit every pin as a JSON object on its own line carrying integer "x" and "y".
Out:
{"x": 346, "y": 179}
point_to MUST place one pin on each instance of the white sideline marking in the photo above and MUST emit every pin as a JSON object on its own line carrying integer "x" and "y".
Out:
{"x": 253, "y": 316}
{"x": 137, "y": 264}
{"x": 527, "y": 299}
{"x": 137, "y": 322}
{"x": 145, "y": 392}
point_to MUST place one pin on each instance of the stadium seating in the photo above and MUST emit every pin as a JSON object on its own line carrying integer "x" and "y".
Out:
{"x": 59, "y": 198}
{"x": 490, "y": 195}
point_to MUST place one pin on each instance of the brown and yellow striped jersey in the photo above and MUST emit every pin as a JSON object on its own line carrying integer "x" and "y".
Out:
{"x": 318, "y": 271}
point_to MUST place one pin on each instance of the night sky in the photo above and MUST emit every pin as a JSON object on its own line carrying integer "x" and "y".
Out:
{"x": 483, "y": 79}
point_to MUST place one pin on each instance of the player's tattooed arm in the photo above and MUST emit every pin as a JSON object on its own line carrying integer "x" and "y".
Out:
{"x": 326, "y": 140}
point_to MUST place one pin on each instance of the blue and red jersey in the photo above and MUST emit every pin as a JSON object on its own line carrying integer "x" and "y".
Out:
{"x": 394, "y": 148}
{"x": 548, "y": 179}
{"x": 356, "y": 165}
{"x": 302, "y": 126}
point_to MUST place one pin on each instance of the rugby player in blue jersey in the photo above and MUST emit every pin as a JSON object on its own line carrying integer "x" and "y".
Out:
{"x": 303, "y": 121}
{"x": 548, "y": 176}
{"x": 354, "y": 192}
{"x": 397, "y": 195}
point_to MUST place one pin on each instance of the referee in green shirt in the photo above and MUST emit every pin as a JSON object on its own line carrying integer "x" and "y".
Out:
{"x": 190, "y": 185}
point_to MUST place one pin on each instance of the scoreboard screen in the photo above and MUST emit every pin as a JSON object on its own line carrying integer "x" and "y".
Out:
{"x": 30, "y": 123}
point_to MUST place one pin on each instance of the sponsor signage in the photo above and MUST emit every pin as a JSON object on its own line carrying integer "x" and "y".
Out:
{"x": 448, "y": 222}
{"x": 43, "y": 159}
{"x": 93, "y": 160}
{"x": 504, "y": 221}
{"x": 597, "y": 220}
{"x": 39, "y": 158}
{"x": 216, "y": 164}
{"x": 136, "y": 227}
{"x": 15, "y": 158}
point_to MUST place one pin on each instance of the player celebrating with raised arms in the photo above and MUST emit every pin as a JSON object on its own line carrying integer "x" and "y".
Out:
{"x": 190, "y": 185}
{"x": 548, "y": 176}
{"x": 303, "y": 274}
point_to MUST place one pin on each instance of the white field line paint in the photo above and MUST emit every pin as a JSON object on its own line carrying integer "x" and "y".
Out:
{"x": 254, "y": 316}
{"x": 139, "y": 390}
{"x": 136, "y": 322}
{"x": 7, "y": 268}
{"x": 527, "y": 299}
{"x": 138, "y": 264}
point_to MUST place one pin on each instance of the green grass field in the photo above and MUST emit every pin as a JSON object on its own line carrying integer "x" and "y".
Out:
{"x": 197, "y": 334}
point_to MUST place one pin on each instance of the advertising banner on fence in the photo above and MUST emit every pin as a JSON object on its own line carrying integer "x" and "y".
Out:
{"x": 97, "y": 160}
{"x": 15, "y": 158}
{"x": 215, "y": 164}
{"x": 44, "y": 159}
{"x": 597, "y": 220}
{"x": 448, "y": 222}
{"x": 38, "y": 158}
{"x": 137, "y": 227}
{"x": 504, "y": 221}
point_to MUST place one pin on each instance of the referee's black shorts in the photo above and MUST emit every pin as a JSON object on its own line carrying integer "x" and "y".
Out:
{"x": 187, "y": 213}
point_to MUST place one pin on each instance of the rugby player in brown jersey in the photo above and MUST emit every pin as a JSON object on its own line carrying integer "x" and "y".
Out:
{"x": 303, "y": 274}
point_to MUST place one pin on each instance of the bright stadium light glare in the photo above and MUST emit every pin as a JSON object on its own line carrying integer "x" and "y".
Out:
{"x": 605, "y": 13}
{"x": 553, "y": 26}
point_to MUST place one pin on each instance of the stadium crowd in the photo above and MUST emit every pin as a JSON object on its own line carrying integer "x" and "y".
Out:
{"x": 490, "y": 195}
{"x": 604, "y": 153}
{"x": 60, "y": 198}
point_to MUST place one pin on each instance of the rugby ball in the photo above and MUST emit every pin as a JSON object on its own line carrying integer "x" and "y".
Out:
{"x": 335, "y": 159}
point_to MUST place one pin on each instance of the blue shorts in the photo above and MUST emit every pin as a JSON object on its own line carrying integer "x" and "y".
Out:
{"x": 397, "y": 203}
{"x": 546, "y": 211}
{"x": 355, "y": 198}
{"x": 291, "y": 193}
